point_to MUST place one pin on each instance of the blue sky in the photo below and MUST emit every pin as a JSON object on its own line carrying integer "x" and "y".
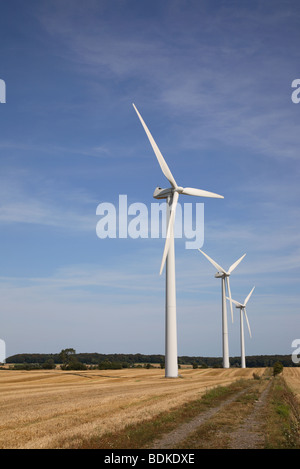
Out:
{"x": 212, "y": 80}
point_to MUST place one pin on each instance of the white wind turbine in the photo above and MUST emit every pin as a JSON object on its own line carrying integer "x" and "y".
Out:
{"x": 224, "y": 276}
{"x": 171, "y": 194}
{"x": 242, "y": 308}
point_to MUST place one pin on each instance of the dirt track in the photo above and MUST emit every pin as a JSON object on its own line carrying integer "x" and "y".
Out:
{"x": 250, "y": 434}
{"x": 247, "y": 435}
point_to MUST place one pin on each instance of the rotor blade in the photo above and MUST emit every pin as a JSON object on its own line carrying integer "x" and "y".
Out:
{"x": 200, "y": 193}
{"x": 247, "y": 299}
{"x": 230, "y": 299}
{"x": 169, "y": 231}
{"x": 247, "y": 322}
{"x": 164, "y": 167}
{"x": 233, "y": 266}
{"x": 217, "y": 266}
{"x": 235, "y": 302}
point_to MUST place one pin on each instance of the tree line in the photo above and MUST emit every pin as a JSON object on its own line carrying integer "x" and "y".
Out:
{"x": 69, "y": 359}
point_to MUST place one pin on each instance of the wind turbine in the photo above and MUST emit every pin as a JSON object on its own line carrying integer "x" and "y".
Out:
{"x": 171, "y": 194}
{"x": 242, "y": 308}
{"x": 224, "y": 276}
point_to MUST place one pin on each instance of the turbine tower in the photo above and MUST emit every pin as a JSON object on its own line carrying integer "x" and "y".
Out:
{"x": 224, "y": 276}
{"x": 242, "y": 308}
{"x": 171, "y": 194}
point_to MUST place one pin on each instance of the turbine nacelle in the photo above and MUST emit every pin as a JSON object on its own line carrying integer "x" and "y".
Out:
{"x": 221, "y": 275}
{"x": 160, "y": 193}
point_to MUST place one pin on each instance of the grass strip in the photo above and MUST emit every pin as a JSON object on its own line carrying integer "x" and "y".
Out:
{"x": 283, "y": 417}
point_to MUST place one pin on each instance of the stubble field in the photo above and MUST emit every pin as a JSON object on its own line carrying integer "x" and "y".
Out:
{"x": 58, "y": 409}
{"x": 292, "y": 378}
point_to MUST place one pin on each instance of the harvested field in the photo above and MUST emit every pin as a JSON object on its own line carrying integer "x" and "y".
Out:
{"x": 57, "y": 409}
{"x": 292, "y": 378}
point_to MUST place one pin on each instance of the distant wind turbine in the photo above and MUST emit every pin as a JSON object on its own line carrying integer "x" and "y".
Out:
{"x": 242, "y": 308}
{"x": 224, "y": 276}
{"x": 171, "y": 194}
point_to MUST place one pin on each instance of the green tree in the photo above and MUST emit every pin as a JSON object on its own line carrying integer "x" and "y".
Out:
{"x": 67, "y": 355}
{"x": 69, "y": 360}
{"x": 277, "y": 368}
{"x": 49, "y": 364}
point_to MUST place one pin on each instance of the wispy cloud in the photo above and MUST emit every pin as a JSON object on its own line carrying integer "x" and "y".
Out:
{"x": 28, "y": 197}
{"x": 55, "y": 150}
{"x": 226, "y": 89}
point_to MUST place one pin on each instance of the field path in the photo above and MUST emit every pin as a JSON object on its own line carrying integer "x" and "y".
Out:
{"x": 176, "y": 436}
{"x": 248, "y": 435}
